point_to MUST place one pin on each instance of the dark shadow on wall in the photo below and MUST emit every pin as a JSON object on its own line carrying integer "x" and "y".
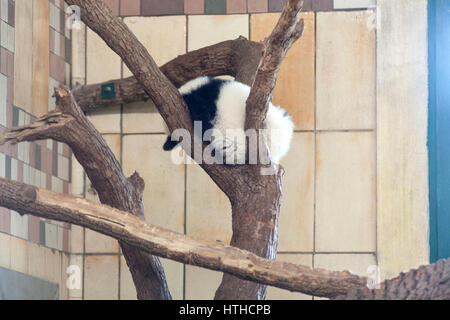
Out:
{"x": 18, "y": 286}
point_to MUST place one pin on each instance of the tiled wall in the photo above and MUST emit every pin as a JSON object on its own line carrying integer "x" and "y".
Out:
{"x": 33, "y": 60}
{"x": 328, "y": 83}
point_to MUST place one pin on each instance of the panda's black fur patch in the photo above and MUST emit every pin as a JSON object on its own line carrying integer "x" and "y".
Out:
{"x": 201, "y": 103}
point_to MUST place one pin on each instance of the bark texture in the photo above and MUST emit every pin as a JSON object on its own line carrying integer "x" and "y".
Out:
{"x": 164, "y": 243}
{"x": 255, "y": 198}
{"x": 237, "y": 58}
{"x": 426, "y": 282}
{"x": 68, "y": 124}
{"x": 430, "y": 282}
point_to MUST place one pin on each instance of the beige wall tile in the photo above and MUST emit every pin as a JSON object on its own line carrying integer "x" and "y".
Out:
{"x": 106, "y": 120}
{"x": 102, "y": 63}
{"x": 41, "y": 56}
{"x": 346, "y": 192}
{"x": 143, "y": 117}
{"x": 274, "y": 293}
{"x": 101, "y": 279}
{"x": 23, "y": 57}
{"x": 19, "y": 255}
{"x": 356, "y": 263}
{"x": 52, "y": 265}
{"x": 345, "y": 70}
{"x": 174, "y": 276}
{"x": 76, "y": 239}
{"x": 295, "y": 85}
{"x": 402, "y": 95}
{"x": 206, "y": 30}
{"x": 208, "y": 210}
{"x": 113, "y": 141}
{"x": 127, "y": 288}
{"x": 201, "y": 284}
{"x": 296, "y": 222}
{"x": 164, "y": 191}
{"x": 163, "y": 46}
{"x": 5, "y": 249}
{"x": 36, "y": 260}
{"x": 99, "y": 243}
{"x": 77, "y": 187}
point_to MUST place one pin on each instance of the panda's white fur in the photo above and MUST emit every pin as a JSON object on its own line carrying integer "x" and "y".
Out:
{"x": 230, "y": 114}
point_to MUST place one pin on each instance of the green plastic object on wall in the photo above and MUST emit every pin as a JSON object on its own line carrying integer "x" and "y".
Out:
{"x": 108, "y": 91}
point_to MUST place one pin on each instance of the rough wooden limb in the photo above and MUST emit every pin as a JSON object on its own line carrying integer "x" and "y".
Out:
{"x": 68, "y": 124}
{"x": 288, "y": 30}
{"x": 238, "y": 58}
{"x": 255, "y": 199}
{"x": 430, "y": 282}
{"x": 128, "y": 229}
{"x": 255, "y": 215}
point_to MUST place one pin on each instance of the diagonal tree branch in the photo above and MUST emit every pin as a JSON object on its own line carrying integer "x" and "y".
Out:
{"x": 288, "y": 30}
{"x": 128, "y": 229}
{"x": 255, "y": 198}
{"x": 68, "y": 124}
{"x": 238, "y": 58}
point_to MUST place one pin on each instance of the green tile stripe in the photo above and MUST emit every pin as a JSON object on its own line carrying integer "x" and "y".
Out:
{"x": 215, "y": 6}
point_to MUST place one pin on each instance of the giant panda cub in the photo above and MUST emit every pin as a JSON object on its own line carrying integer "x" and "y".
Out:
{"x": 220, "y": 105}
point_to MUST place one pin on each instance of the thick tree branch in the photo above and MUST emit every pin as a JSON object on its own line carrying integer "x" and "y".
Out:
{"x": 288, "y": 30}
{"x": 255, "y": 198}
{"x": 68, "y": 124}
{"x": 128, "y": 229}
{"x": 426, "y": 282}
{"x": 430, "y": 282}
{"x": 238, "y": 58}
{"x": 255, "y": 216}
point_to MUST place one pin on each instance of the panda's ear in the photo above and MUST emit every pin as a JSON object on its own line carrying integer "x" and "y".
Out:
{"x": 169, "y": 144}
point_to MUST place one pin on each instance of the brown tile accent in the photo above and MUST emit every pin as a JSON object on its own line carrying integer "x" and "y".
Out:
{"x": 130, "y": 8}
{"x": 63, "y": 47}
{"x": 62, "y": 21}
{"x": 255, "y": 6}
{"x": 49, "y": 182}
{"x": 307, "y": 5}
{"x": 161, "y": 7}
{"x": 57, "y": 67}
{"x": 276, "y": 5}
{"x": 3, "y": 61}
{"x": 65, "y": 187}
{"x": 55, "y": 164}
{"x": 52, "y": 40}
{"x": 113, "y": 5}
{"x": 10, "y": 58}
{"x": 236, "y": 6}
{"x": 46, "y": 162}
{"x": 65, "y": 242}
{"x": 32, "y": 155}
{"x": 20, "y": 171}
{"x": 66, "y": 151}
{"x": 9, "y": 115}
{"x": 322, "y": 5}
{"x": 11, "y": 13}
{"x": 33, "y": 228}
{"x": 5, "y": 220}
{"x": 194, "y": 6}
